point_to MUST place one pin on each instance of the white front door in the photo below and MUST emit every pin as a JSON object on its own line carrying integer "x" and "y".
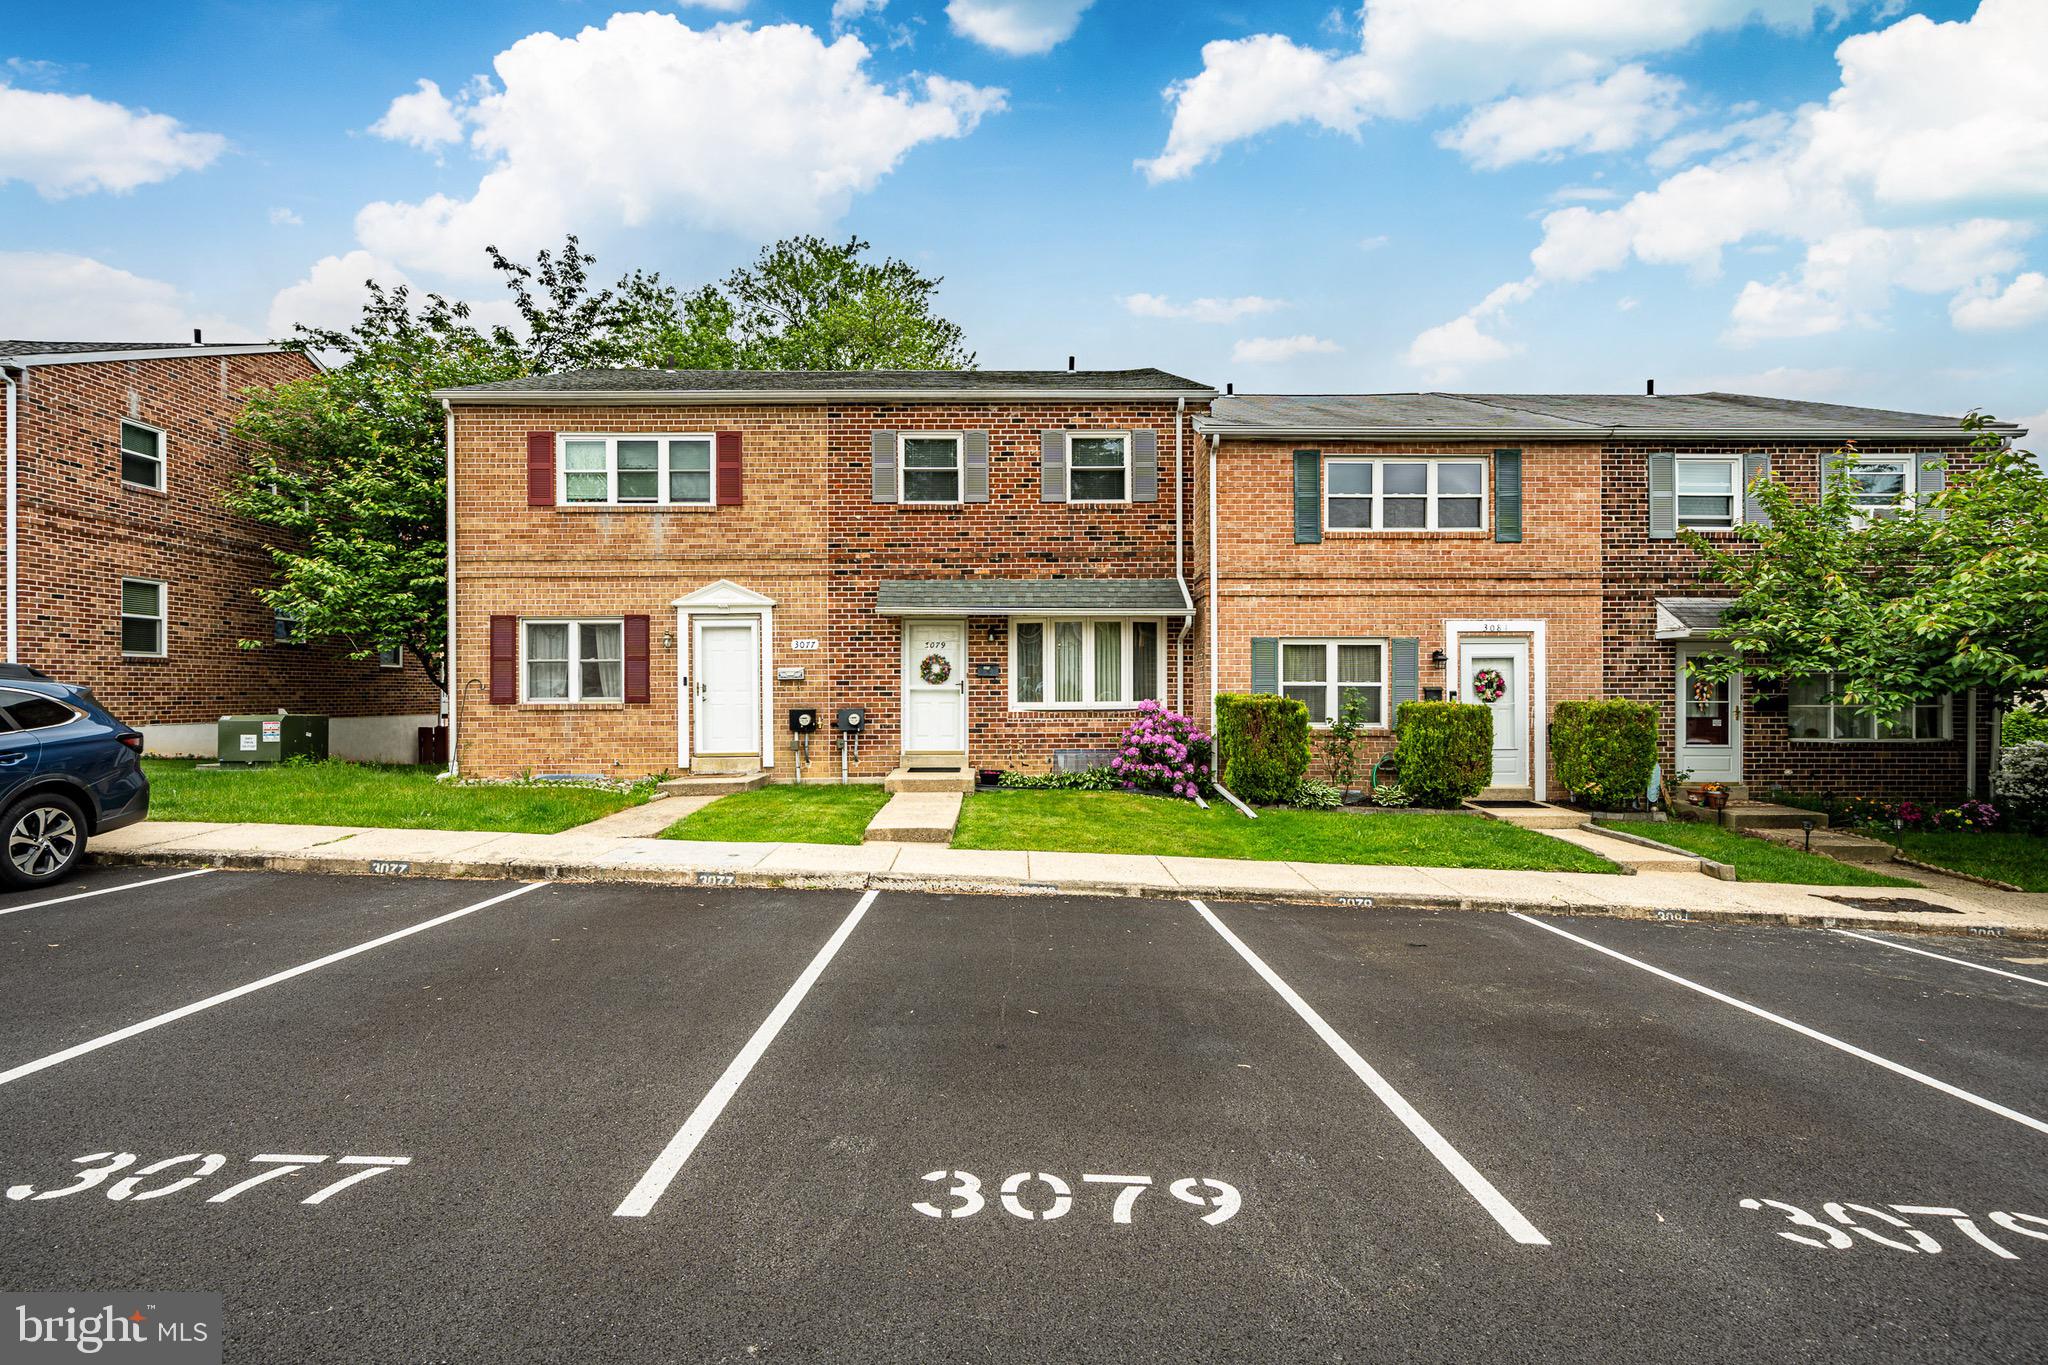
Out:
{"x": 1495, "y": 674}
{"x": 728, "y": 688}
{"x": 1709, "y": 724}
{"x": 935, "y": 687}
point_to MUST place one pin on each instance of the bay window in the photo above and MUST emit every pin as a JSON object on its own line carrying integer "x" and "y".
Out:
{"x": 1333, "y": 677}
{"x": 575, "y": 661}
{"x": 1404, "y": 495}
{"x": 1085, "y": 664}
{"x": 635, "y": 471}
{"x": 1817, "y": 712}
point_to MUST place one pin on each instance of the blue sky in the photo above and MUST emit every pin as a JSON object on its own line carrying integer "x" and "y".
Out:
{"x": 1836, "y": 200}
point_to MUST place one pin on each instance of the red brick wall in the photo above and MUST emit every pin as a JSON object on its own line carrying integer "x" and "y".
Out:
{"x": 81, "y": 531}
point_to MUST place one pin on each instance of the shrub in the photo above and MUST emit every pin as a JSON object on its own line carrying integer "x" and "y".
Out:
{"x": 1340, "y": 745}
{"x": 2021, "y": 784}
{"x": 1087, "y": 780}
{"x": 1310, "y": 794}
{"x": 1605, "y": 750}
{"x": 2023, "y": 725}
{"x": 1262, "y": 742}
{"x": 1391, "y": 795}
{"x": 1445, "y": 750}
{"x": 1162, "y": 751}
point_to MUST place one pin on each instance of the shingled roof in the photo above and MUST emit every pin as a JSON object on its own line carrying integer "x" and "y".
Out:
{"x": 645, "y": 386}
{"x": 1052, "y": 596}
{"x": 77, "y": 352}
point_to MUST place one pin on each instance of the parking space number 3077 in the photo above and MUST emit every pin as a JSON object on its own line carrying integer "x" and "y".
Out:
{"x": 1039, "y": 1196}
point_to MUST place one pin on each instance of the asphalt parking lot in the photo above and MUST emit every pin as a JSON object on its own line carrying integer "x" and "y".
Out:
{"x": 413, "y": 1120}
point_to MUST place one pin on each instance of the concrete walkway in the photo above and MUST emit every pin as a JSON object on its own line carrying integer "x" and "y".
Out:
{"x": 581, "y": 855}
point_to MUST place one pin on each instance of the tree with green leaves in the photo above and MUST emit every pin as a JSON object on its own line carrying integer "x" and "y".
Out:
{"x": 1935, "y": 599}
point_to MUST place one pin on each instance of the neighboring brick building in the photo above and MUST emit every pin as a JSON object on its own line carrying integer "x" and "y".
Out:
{"x": 126, "y": 573}
{"x": 652, "y": 568}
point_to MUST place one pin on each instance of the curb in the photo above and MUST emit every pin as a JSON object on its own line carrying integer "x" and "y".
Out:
{"x": 1991, "y": 882}
{"x": 863, "y": 881}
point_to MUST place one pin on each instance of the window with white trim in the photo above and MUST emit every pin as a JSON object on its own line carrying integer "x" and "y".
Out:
{"x": 393, "y": 657}
{"x": 635, "y": 471}
{"x": 1072, "y": 663}
{"x": 285, "y": 628}
{"x": 143, "y": 617}
{"x": 1098, "y": 466}
{"x": 1817, "y": 712}
{"x": 1330, "y": 677}
{"x": 574, "y": 661}
{"x": 928, "y": 466}
{"x": 1879, "y": 486}
{"x": 1709, "y": 492}
{"x": 142, "y": 456}
{"x": 1404, "y": 495}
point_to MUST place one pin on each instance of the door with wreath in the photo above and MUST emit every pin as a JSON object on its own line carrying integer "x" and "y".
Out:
{"x": 1495, "y": 674}
{"x": 934, "y": 687}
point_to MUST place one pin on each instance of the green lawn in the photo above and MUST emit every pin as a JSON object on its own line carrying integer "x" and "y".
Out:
{"x": 2021, "y": 859}
{"x": 811, "y": 814}
{"x": 1118, "y": 822}
{"x": 1756, "y": 860}
{"x": 388, "y": 797}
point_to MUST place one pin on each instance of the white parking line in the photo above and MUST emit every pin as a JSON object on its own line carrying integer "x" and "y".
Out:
{"x": 107, "y": 891}
{"x": 640, "y": 1201}
{"x": 1908, "y": 1072}
{"x": 172, "y": 1016}
{"x": 1943, "y": 957}
{"x": 1478, "y": 1186}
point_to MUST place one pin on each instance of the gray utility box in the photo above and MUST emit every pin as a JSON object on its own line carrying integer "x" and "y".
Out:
{"x": 271, "y": 739}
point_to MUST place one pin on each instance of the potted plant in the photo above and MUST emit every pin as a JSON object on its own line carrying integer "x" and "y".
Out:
{"x": 1340, "y": 746}
{"x": 1712, "y": 795}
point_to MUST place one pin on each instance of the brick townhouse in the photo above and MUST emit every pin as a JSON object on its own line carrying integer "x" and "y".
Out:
{"x": 652, "y": 569}
{"x": 125, "y": 571}
{"x": 1521, "y": 549}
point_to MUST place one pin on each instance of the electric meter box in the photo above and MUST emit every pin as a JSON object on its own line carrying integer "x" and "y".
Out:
{"x": 271, "y": 739}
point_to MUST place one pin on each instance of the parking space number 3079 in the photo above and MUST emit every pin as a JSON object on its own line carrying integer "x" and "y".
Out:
{"x": 1039, "y": 1196}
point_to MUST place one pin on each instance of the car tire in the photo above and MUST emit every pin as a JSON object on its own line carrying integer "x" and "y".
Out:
{"x": 42, "y": 837}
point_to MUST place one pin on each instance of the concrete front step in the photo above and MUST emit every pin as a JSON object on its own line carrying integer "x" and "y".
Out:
{"x": 1833, "y": 843}
{"x": 714, "y": 784}
{"x": 915, "y": 818}
{"x": 905, "y": 780}
{"x": 1766, "y": 815}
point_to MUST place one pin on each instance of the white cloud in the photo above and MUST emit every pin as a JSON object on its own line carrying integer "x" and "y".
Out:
{"x": 1627, "y": 304}
{"x": 1019, "y": 28}
{"x": 1583, "y": 194}
{"x": 282, "y": 217}
{"x": 75, "y": 144}
{"x": 2020, "y": 304}
{"x": 1823, "y": 384}
{"x": 846, "y": 12}
{"x": 55, "y": 296}
{"x": 332, "y": 294}
{"x": 1611, "y": 114}
{"x": 2036, "y": 438}
{"x": 752, "y": 131}
{"x": 1275, "y": 350}
{"x": 1847, "y": 278}
{"x": 1200, "y": 310}
{"x": 1448, "y": 349}
{"x": 1415, "y": 55}
{"x": 426, "y": 118}
{"x": 725, "y": 6}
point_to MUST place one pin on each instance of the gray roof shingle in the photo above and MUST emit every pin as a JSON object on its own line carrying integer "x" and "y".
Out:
{"x": 16, "y": 350}
{"x": 1538, "y": 415}
{"x": 1017, "y": 596}
{"x": 820, "y": 384}
{"x": 1685, "y": 618}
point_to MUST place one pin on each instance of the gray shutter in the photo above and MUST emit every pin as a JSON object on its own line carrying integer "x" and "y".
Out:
{"x": 1931, "y": 478}
{"x": 974, "y": 466}
{"x": 882, "y": 450}
{"x": 1265, "y": 665}
{"x": 1754, "y": 467}
{"x": 1507, "y": 495}
{"x": 1308, "y": 497}
{"x": 1663, "y": 497}
{"x": 1404, "y": 674}
{"x": 1145, "y": 465}
{"x": 1052, "y": 466}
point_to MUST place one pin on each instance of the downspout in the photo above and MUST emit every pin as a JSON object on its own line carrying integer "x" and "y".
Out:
{"x": 13, "y": 503}
{"x": 1970, "y": 745}
{"x": 448, "y": 690}
{"x": 1214, "y": 441}
{"x": 1187, "y": 623}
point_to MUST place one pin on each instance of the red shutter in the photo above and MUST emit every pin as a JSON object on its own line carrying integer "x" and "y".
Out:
{"x": 730, "y": 477}
{"x": 504, "y": 660}
{"x": 540, "y": 469}
{"x": 636, "y": 659}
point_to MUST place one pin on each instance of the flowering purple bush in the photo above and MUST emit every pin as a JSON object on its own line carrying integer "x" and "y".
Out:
{"x": 1163, "y": 751}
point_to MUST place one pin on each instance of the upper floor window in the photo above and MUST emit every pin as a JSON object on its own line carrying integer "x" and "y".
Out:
{"x": 1404, "y": 495}
{"x": 284, "y": 628}
{"x": 1098, "y": 467}
{"x": 1081, "y": 664}
{"x": 1709, "y": 492}
{"x": 575, "y": 661}
{"x": 930, "y": 467}
{"x": 142, "y": 456}
{"x": 1817, "y": 711}
{"x": 1332, "y": 677}
{"x": 636, "y": 471}
{"x": 1878, "y": 485}
{"x": 394, "y": 657}
{"x": 142, "y": 617}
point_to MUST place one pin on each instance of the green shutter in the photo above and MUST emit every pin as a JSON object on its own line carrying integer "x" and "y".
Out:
{"x": 1404, "y": 673}
{"x": 1308, "y": 497}
{"x": 1265, "y": 665}
{"x": 1507, "y": 495}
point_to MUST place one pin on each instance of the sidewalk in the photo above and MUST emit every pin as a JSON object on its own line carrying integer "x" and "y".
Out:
{"x": 582, "y": 856}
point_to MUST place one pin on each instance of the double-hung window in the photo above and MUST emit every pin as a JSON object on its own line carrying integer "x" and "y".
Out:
{"x": 1098, "y": 467}
{"x": 1335, "y": 677}
{"x": 1709, "y": 492}
{"x": 571, "y": 661}
{"x": 1879, "y": 486}
{"x": 1074, "y": 663}
{"x": 393, "y": 657}
{"x": 1404, "y": 495}
{"x": 636, "y": 471}
{"x": 1817, "y": 711}
{"x": 142, "y": 617}
{"x": 930, "y": 465}
{"x": 142, "y": 456}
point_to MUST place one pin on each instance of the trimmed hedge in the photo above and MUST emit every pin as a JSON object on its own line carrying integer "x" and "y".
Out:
{"x": 1262, "y": 745}
{"x": 1445, "y": 750}
{"x": 1605, "y": 750}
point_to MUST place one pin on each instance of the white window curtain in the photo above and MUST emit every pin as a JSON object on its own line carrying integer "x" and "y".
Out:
{"x": 1066, "y": 661}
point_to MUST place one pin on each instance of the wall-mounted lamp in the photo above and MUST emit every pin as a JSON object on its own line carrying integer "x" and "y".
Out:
{"x": 995, "y": 634}
{"x": 1437, "y": 658}
{"x": 668, "y": 639}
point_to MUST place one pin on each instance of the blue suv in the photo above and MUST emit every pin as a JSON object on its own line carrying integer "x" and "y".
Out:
{"x": 68, "y": 770}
